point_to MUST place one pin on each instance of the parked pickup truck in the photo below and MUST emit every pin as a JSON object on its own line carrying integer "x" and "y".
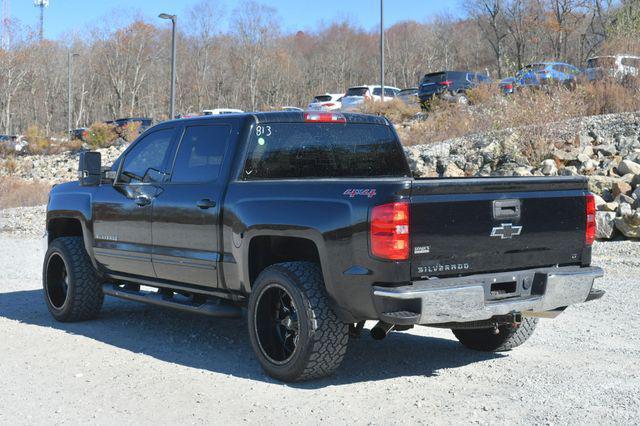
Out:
{"x": 313, "y": 223}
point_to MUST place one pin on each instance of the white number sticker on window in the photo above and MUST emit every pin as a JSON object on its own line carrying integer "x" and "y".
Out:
{"x": 263, "y": 130}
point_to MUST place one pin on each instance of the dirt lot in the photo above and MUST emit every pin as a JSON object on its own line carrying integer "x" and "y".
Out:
{"x": 145, "y": 365}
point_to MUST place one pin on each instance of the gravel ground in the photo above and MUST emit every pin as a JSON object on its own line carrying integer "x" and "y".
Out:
{"x": 144, "y": 365}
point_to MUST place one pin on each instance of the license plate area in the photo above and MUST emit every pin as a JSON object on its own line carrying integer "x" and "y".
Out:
{"x": 500, "y": 290}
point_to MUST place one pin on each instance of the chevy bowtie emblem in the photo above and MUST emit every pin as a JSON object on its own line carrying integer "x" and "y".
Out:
{"x": 506, "y": 231}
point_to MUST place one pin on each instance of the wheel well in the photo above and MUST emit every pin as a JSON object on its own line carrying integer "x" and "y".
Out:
{"x": 265, "y": 251}
{"x": 64, "y": 227}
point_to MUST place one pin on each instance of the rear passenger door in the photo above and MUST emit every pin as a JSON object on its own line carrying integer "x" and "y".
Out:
{"x": 186, "y": 215}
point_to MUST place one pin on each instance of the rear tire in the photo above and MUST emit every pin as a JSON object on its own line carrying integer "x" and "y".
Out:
{"x": 508, "y": 338}
{"x": 72, "y": 288}
{"x": 294, "y": 332}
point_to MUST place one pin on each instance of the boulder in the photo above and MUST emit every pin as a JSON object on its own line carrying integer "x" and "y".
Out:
{"x": 599, "y": 200}
{"x": 453, "y": 171}
{"x": 588, "y": 166}
{"x": 605, "y": 225}
{"x": 549, "y": 168}
{"x": 606, "y": 150}
{"x": 609, "y": 207}
{"x": 624, "y": 209}
{"x": 602, "y": 184}
{"x": 620, "y": 187}
{"x": 628, "y": 166}
{"x": 566, "y": 156}
{"x": 629, "y": 224}
{"x": 568, "y": 171}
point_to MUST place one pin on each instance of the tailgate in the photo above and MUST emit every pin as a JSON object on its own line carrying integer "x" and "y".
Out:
{"x": 473, "y": 225}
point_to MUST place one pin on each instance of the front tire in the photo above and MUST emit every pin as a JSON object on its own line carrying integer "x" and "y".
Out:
{"x": 72, "y": 288}
{"x": 294, "y": 332}
{"x": 509, "y": 336}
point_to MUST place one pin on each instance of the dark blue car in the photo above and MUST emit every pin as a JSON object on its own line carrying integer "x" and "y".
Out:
{"x": 538, "y": 74}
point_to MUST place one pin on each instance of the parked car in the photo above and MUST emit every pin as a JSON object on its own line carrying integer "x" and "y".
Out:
{"x": 409, "y": 96}
{"x": 449, "y": 85}
{"x": 145, "y": 123}
{"x": 508, "y": 85}
{"x": 80, "y": 133}
{"x": 326, "y": 102}
{"x": 218, "y": 111}
{"x": 356, "y": 96}
{"x": 617, "y": 66}
{"x": 314, "y": 224}
{"x": 544, "y": 73}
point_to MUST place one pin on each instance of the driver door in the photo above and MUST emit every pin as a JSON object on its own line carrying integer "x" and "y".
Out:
{"x": 122, "y": 211}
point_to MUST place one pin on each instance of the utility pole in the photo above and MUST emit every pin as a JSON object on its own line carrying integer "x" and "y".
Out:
{"x": 382, "y": 50}
{"x": 41, "y": 4}
{"x": 172, "y": 102}
{"x": 69, "y": 91}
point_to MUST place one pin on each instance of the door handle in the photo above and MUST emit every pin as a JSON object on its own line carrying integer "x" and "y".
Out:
{"x": 143, "y": 200}
{"x": 206, "y": 203}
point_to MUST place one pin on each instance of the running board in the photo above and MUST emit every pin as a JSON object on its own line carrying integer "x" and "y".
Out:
{"x": 219, "y": 308}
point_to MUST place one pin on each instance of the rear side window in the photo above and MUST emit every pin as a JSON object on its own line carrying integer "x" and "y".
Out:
{"x": 436, "y": 77}
{"x": 357, "y": 91}
{"x": 323, "y": 150}
{"x": 390, "y": 92}
{"x": 201, "y": 154}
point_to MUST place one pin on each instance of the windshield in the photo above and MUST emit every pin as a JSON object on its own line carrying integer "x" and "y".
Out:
{"x": 323, "y": 150}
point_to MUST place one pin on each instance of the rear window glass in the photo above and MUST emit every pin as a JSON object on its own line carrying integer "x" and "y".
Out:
{"x": 323, "y": 150}
{"x": 357, "y": 91}
{"x": 322, "y": 98}
{"x": 434, "y": 78}
{"x": 631, "y": 62}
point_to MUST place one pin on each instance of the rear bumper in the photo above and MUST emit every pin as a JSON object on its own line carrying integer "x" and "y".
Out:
{"x": 471, "y": 298}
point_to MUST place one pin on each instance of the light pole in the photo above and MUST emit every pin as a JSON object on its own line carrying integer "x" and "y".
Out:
{"x": 172, "y": 102}
{"x": 382, "y": 50}
{"x": 69, "y": 90}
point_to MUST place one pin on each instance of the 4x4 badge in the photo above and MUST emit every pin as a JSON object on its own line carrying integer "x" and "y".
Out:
{"x": 506, "y": 231}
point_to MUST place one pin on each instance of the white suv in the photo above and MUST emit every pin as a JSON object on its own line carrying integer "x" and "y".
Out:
{"x": 326, "y": 102}
{"x": 356, "y": 96}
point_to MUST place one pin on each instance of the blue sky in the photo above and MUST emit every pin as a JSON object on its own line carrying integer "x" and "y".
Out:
{"x": 68, "y": 16}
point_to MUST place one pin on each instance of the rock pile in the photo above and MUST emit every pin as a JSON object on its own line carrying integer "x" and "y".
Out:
{"x": 54, "y": 168}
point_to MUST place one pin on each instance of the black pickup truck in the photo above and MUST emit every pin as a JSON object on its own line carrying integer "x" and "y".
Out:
{"x": 313, "y": 223}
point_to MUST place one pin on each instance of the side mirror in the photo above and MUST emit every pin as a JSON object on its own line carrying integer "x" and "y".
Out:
{"x": 89, "y": 169}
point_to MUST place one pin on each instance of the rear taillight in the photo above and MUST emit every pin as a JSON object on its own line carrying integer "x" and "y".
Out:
{"x": 508, "y": 86}
{"x": 446, "y": 83}
{"x": 590, "y": 210}
{"x": 390, "y": 231}
{"x": 324, "y": 117}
